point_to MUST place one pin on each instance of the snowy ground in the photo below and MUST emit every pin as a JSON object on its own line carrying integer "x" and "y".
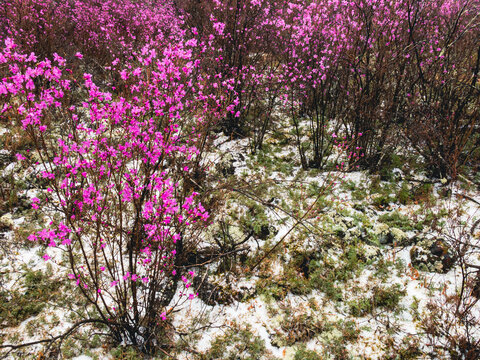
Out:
{"x": 369, "y": 302}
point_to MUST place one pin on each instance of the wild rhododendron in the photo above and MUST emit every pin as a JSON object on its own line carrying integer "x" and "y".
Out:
{"x": 116, "y": 165}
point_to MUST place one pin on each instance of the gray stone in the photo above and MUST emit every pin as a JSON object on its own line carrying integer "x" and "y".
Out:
{"x": 389, "y": 235}
{"x": 5, "y": 157}
{"x": 6, "y": 222}
{"x": 228, "y": 163}
{"x": 370, "y": 252}
{"x": 433, "y": 255}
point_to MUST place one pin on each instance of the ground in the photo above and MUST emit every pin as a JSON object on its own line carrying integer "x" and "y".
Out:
{"x": 336, "y": 265}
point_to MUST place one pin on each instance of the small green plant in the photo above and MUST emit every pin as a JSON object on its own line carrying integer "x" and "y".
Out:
{"x": 236, "y": 344}
{"x": 349, "y": 330}
{"x": 300, "y": 328}
{"x": 388, "y": 298}
{"x": 125, "y": 353}
{"x": 382, "y": 201}
{"x": 303, "y": 353}
{"x": 400, "y": 221}
{"x": 404, "y": 194}
{"x": 326, "y": 275}
{"x": 255, "y": 220}
{"x": 360, "y": 307}
{"x": 359, "y": 194}
{"x": 423, "y": 193}
{"x": 385, "y": 298}
{"x": 18, "y": 305}
{"x": 383, "y": 269}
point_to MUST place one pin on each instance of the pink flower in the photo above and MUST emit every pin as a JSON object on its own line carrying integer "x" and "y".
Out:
{"x": 219, "y": 27}
{"x": 78, "y": 55}
{"x": 35, "y": 202}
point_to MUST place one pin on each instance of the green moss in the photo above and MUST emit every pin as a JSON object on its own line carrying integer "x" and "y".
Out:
{"x": 303, "y": 353}
{"x": 300, "y": 328}
{"x": 382, "y": 201}
{"x": 326, "y": 275}
{"x": 423, "y": 193}
{"x": 255, "y": 220}
{"x": 311, "y": 270}
{"x": 404, "y": 194}
{"x": 236, "y": 344}
{"x": 292, "y": 281}
{"x": 388, "y": 298}
{"x": 383, "y": 269}
{"x": 390, "y": 162}
{"x": 385, "y": 298}
{"x": 270, "y": 290}
{"x": 400, "y": 221}
{"x": 360, "y": 307}
{"x": 126, "y": 353}
{"x": 18, "y": 305}
{"x": 359, "y": 194}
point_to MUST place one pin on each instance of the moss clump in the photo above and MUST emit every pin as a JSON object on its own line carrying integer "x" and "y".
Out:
{"x": 300, "y": 328}
{"x": 17, "y": 306}
{"x": 236, "y": 344}
{"x": 384, "y": 298}
{"x": 303, "y": 353}
{"x": 400, "y": 221}
{"x": 125, "y": 353}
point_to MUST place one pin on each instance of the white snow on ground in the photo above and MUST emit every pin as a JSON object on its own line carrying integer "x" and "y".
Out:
{"x": 256, "y": 311}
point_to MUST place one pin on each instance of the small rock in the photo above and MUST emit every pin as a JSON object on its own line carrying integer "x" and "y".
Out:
{"x": 387, "y": 235}
{"x": 229, "y": 162}
{"x": 5, "y": 157}
{"x": 432, "y": 255}
{"x": 6, "y": 222}
{"x": 370, "y": 252}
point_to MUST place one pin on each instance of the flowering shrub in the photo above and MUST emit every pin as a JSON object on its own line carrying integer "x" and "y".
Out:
{"x": 380, "y": 68}
{"x": 383, "y": 69}
{"x": 116, "y": 167}
{"x": 102, "y": 32}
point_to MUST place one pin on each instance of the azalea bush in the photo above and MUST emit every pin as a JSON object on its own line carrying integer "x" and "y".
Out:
{"x": 401, "y": 73}
{"x": 244, "y": 43}
{"x": 102, "y": 31}
{"x": 121, "y": 211}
